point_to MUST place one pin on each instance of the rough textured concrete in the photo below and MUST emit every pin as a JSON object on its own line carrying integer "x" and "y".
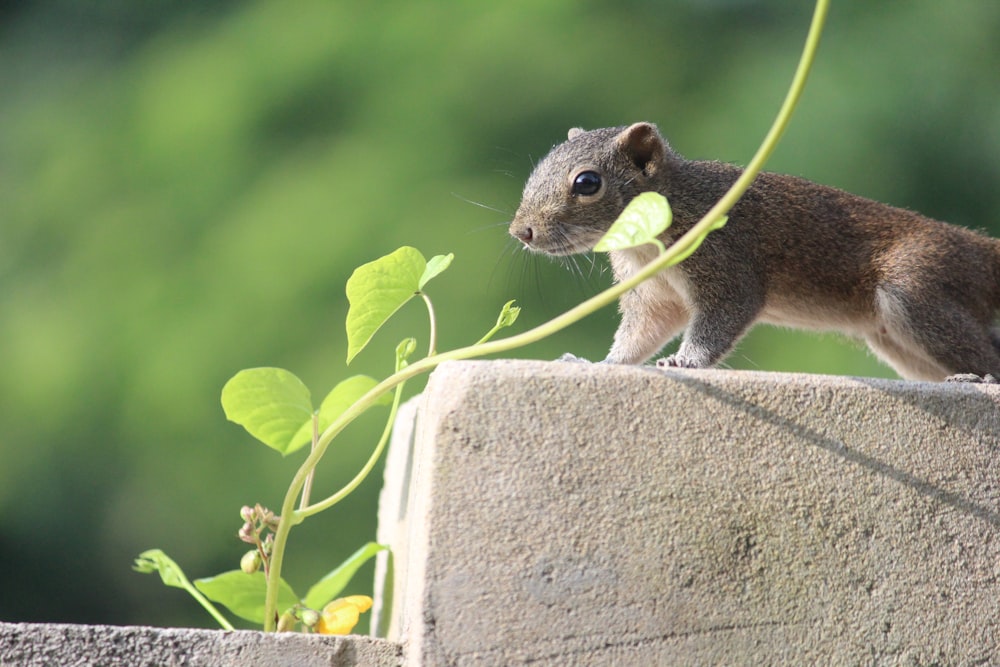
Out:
{"x": 54, "y": 645}
{"x": 391, "y": 574}
{"x": 570, "y": 514}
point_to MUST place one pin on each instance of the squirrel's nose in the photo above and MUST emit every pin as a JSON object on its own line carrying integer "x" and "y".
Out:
{"x": 525, "y": 234}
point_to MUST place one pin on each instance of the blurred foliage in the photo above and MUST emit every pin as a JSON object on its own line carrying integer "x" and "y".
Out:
{"x": 185, "y": 188}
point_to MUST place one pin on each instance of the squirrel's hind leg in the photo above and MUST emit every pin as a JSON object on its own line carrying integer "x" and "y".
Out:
{"x": 972, "y": 378}
{"x": 931, "y": 339}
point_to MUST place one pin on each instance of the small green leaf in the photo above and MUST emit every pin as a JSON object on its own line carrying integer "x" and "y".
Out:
{"x": 270, "y": 403}
{"x": 435, "y": 265}
{"x": 645, "y": 218}
{"x": 508, "y": 315}
{"x": 155, "y": 560}
{"x": 244, "y": 593}
{"x": 404, "y": 350}
{"x": 341, "y": 397}
{"x": 378, "y": 289}
{"x": 719, "y": 224}
{"x": 333, "y": 583}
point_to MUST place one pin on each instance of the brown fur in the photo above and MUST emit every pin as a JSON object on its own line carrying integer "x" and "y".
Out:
{"x": 923, "y": 294}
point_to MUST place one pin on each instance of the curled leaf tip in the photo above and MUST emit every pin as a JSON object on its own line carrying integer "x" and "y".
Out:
{"x": 508, "y": 315}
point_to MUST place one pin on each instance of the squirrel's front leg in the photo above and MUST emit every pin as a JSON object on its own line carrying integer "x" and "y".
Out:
{"x": 647, "y": 325}
{"x": 714, "y": 330}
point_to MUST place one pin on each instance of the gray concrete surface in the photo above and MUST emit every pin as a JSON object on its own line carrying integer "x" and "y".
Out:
{"x": 570, "y": 514}
{"x": 391, "y": 572}
{"x": 57, "y": 645}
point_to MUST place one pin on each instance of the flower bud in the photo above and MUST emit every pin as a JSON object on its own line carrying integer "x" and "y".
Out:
{"x": 287, "y": 622}
{"x": 309, "y": 617}
{"x": 247, "y": 533}
{"x": 247, "y": 513}
{"x": 250, "y": 562}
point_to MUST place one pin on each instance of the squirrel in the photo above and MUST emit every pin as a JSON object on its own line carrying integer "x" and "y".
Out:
{"x": 921, "y": 293}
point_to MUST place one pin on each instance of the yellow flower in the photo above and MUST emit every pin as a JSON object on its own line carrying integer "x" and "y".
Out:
{"x": 340, "y": 616}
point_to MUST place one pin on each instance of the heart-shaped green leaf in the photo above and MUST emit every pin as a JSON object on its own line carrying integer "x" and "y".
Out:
{"x": 378, "y": 289}
{"x": 333, "y": 583}
{"x": 270, "y": 403}
{"x": 645, "y": 218}
{"x": 244, "y": 593}
{"x": 341, "y": 397}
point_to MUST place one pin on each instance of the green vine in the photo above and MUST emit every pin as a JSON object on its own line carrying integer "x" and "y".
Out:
{"x": 274, "y": 405}
{"x": 671, "y": 256}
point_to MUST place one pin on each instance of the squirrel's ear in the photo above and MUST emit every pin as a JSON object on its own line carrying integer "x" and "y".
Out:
{"x": 574, "y": 131}
{"x": 643, "y": 145}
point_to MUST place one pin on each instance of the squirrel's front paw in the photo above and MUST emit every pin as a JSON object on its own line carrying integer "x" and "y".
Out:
{"x": 676, "y": 361}
{"x": 573, "y": 358}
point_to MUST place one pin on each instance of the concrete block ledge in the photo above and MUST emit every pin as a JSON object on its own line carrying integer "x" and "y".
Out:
{"x": 64, "y": 645}
{"x": 574, "y": 514}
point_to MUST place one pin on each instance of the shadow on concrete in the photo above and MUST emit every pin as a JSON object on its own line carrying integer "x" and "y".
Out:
{"x": 836, "y": 447}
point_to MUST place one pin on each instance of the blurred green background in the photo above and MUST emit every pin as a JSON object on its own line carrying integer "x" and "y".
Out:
{"x": 185, "y": 188}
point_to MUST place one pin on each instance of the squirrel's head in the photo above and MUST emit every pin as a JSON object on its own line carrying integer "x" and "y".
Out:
{"x": 584, "y": 183}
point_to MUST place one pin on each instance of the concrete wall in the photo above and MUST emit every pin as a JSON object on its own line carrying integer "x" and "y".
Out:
{"x": 558, "y": 514}
{"x": 572, "y": 514}
{"x": 63, "y": 645}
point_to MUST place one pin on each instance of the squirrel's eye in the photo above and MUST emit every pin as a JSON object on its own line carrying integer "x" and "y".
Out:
{"x": 586, "y": 183}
